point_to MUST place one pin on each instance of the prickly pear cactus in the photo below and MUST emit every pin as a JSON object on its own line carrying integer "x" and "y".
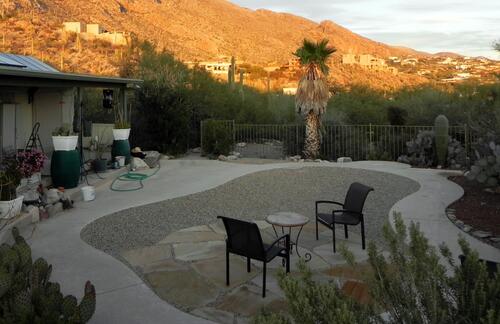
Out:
{"x": 486, "y": 168}
{"x": 87, "y": 305}
{"x": 441, "y": 130}
{"x": 27, "y": 295}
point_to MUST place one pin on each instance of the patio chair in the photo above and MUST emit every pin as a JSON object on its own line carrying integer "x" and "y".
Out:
{"x": 244, "y": 239}
{"x": 350, "y": 214}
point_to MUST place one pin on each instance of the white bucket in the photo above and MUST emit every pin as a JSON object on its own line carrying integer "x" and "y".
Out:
{"x": 120, "y": 160}
{"x": 88, "y": 193}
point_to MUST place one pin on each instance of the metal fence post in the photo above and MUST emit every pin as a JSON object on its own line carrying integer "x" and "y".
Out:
{"x": 201, "y": 137}
{"x": 467, "y": 146}
{"x": 234, "y": 134}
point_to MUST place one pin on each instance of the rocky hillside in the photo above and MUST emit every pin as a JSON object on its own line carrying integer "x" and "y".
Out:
{"x": 190, "y": 29}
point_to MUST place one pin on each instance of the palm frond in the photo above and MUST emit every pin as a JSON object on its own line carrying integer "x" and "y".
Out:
{"x": 315, "y": 53}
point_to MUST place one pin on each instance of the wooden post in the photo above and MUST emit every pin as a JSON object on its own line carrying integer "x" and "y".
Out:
{"x": 61, "y": 64}
{"x": 124, "y": 104}
{"x": 80, "y": 121}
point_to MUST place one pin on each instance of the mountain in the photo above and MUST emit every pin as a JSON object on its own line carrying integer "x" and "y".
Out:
{"x": 190, "y": 29}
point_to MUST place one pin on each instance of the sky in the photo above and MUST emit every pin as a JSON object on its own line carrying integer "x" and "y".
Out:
{"x": 465, "y": 27}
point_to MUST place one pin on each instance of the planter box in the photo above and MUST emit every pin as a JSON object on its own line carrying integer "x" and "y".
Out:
{"x": 12, "y": 208}
{"x": 65, "y": 143}
{"x": 121, "y": 134}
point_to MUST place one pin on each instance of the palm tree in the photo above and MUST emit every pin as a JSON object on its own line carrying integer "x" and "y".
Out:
{"x": 313, "y": 94}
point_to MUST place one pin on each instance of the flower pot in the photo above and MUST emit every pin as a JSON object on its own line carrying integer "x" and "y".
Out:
{"x": 65, "y": 143}
{"x": 100, "y": 165}
{"x": 11, "y": 208}
{"x": 29, "y": 187}
{"x": 120, "y": 134}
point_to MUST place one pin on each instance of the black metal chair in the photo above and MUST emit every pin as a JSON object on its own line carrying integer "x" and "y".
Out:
{"x": 244, "y": 239}
{"x": 350, "y": 214}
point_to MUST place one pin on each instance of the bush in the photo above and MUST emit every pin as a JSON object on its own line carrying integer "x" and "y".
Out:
{"x": 396, "y": 116}
{"x": 217, "y": 137}
{"x": 411, "y": 285}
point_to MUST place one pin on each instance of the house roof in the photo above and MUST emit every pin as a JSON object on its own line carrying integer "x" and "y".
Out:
{"x": 20, "y": 70}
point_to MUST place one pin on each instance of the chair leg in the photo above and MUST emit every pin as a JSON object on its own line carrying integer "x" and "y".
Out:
{"x": 264, "y": 280}
{"x": 248, "y": 264}
{"x": 363, "y": 234}
{"x": 227, "y": 267}
{"x": 317, "y": 237}
{"x": 345, "y": 232}
{"x": 333, "y": 238}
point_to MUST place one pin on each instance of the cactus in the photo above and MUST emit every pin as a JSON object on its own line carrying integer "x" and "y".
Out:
{"x": 5, "y": 282}
{"x": 231, "y": 73}
{"x": 486, "y": 168}
{"x": 27, "y": 295}
{"x": 87, "y": 305}
{"x": 441, "y": 127}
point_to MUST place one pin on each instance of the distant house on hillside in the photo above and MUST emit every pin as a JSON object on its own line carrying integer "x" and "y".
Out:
{"x": 349, "y": 59}
{"x": 74, "y": 27}
{"x": 216, "y": 67}
{"x": 409, "y": 61}
{"x": 95, "y": 31}
{"x": 290, "y": 91}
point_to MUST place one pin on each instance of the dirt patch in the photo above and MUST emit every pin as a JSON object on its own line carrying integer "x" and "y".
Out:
{"x": 477, "y": 208}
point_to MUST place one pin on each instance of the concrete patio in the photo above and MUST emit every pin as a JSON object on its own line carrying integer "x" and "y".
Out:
{"x": 123, "y": 297}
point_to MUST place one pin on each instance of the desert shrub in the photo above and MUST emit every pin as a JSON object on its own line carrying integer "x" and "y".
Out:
{"x": 310, "y": 302}
{"x": 217, "y": 137}
{"x": 410, "y": 285}
{"x": 186, "y": 97}
{"x": 396, "y": 116}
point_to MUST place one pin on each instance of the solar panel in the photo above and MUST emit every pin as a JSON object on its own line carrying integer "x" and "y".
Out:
{"x": 6, "y": 61}
{"x": 24, "y": 62}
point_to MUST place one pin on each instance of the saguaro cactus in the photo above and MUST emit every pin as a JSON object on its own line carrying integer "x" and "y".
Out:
{"x": 231, "y": 73}
{"x": 441, "y": 128}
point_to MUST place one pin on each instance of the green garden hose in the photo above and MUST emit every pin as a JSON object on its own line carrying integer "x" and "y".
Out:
{"x": 133, "y": 176}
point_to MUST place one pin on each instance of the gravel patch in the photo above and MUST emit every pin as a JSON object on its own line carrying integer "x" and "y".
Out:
{"x": 250, "y": 197}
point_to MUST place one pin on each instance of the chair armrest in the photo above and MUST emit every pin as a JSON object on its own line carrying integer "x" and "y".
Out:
{"x": 331, "y": 202}
{"x": 346, "y": 211}
{"x": 286, "y": 237}
{"x": 328, "y": 202}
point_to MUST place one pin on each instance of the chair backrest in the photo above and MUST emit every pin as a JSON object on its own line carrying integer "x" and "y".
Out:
{"x": 243, "y": 238}
{"x": 356, "y": 197}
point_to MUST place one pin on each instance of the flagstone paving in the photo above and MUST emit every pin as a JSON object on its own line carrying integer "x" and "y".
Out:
{"x": 187, "y": 269}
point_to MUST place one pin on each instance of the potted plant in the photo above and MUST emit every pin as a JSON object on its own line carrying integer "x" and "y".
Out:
{"x": 121, "y": 131}
{"x": 10, "y": 178}
{"x": 99, "y": 163}
{"x": 30, "y": 165}
{"x": 64, "y": 139}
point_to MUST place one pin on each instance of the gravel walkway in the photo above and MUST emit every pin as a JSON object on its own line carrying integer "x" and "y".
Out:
{"x": 249, "y": 197}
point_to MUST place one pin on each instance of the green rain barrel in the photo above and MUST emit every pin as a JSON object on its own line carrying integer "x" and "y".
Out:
{"x": 65, "y": 169}
{"x": 121, "y": 148}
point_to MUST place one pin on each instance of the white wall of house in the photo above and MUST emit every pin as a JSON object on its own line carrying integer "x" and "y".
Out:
{"x": 52, "y": 108}
{"x": 17, "y": 120}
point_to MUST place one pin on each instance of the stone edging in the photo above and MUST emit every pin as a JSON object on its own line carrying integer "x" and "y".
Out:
{"x": 483, "y": 236}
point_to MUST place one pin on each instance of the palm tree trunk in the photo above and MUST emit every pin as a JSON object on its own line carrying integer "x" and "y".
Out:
{"x": 312, "y": 140}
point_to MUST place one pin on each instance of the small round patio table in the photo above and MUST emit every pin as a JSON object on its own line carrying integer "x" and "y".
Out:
{"x": 290, "y": 220}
